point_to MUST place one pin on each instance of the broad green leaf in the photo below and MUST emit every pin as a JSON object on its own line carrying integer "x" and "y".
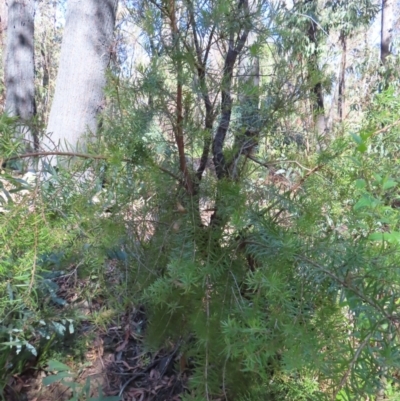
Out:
{"x": 101, "y": 397}
{"x": 361, "y": 183}
{"x": 25, "y": 277}
{"x": 377, "y": 177}
{"x": 56, "y": 366}
{"x": 392, "y": 237}
{"x": 55, "y": 378}
{"x": 389, "y": 184}
{"x": 365, "y": 135}
{"x": 7, "y": 194}
{"x": 59, "y": 328}
{"x": 31, "y": 349}
{"x": 366, "y": 201}
{"x": 86, "y": 387}
{"x": 357, "y": 139}
{"x": 362, "y": 147}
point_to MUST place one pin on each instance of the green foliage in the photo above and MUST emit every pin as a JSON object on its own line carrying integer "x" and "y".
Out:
{"x": 279, "y": 278}
{"x": 80, "y": 392}
{"x": 48, "y": 232}
{"x": 292, "y": 296}
{"x": 281, "y": 292}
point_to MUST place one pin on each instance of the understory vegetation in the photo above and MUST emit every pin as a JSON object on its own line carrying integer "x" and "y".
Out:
{"x": 263, "y": 254}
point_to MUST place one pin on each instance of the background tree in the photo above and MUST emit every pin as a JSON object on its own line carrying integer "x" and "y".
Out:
{"x": 19, "y": 66}
{"x": 48, "y": 37}
{"x": 314, "y": 34}
{"x": 3, "y": 22}
{"x": 3, "y": 31}
{"x": 387, "y": 26}
{"x": 86, "y": 51}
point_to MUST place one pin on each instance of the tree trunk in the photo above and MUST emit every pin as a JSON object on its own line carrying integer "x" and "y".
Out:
{"x": 342, "y": 77}
{"x": 387, "y": 23}
{"x": 19, "y": 65}
{"x": 85, "y": 55}
{"x": 3, "y": 22}
{"x": 318, "y": 106}
{"x": 248, "y": 96}
{"x": 386, "y": 28}
{"x": 3, "y": 30}
{"x": 249, "y": 78}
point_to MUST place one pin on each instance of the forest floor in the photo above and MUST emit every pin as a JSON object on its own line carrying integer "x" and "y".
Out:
{"x": 114, "y": 358}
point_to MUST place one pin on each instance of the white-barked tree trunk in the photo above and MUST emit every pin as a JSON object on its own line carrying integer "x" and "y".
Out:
{"x": 85, "y": 55}
{"x": 20, "y": 66}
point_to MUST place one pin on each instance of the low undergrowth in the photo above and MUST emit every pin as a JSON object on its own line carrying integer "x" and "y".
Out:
{"x": 284, "y": 294}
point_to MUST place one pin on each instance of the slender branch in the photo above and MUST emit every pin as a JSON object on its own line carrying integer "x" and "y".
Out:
{"x": 387, "y": 128}
{"x": 195, "y": 36}
{"x": 347, "y": 285}
{"x": 273, "y": 162}
{"x": 161, "y": 8}
{"x": 226, "y": 99}
{"x": 178, "y": 130}
{"x": 343, "y": 282}
{"x": 316, "y": 168}
{"x": 209, "y": 45}
{"x": 84, "y": 156}
{"x": 56, "y": 153}
{"x": 221, "y": 168}
{"x": 296, "y": 187}
{"x": 301, "y": 182}
{"x": 170, "y": 173}
{"x": 201, "y": 72}
{"x": 314, "y": 22}
{"x": 352, "y": 363}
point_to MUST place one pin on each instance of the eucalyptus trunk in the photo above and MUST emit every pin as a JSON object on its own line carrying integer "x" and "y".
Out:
{"x": 85, "y": 56}
{"x": 3, "y": 23}
{"x": 3, "y": 30}
{"x": 386, "y": 28}
{"x": 19, "y": 65}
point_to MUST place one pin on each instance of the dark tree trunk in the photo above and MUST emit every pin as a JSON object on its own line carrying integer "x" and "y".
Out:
{"x": 342, "y": 82}
{"x": 386, "y": 28}
{"x": 317, "y": 90}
